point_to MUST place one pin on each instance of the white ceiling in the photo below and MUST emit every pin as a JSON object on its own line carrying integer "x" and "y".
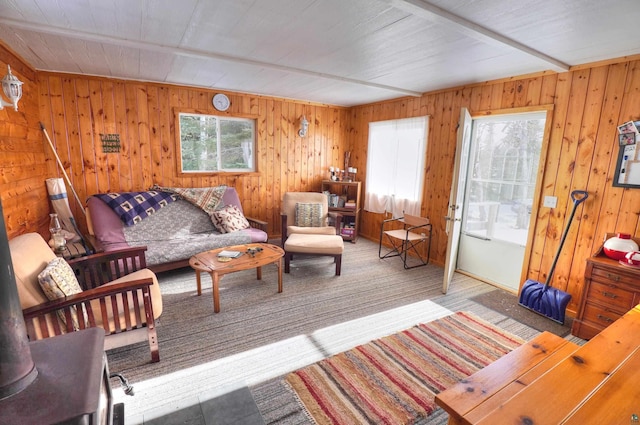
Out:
{"x": 339, "y": 52}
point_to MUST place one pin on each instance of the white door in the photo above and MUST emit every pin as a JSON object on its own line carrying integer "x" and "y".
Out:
{"x": 456, "y": 196}
{"x": 500, "y": 189}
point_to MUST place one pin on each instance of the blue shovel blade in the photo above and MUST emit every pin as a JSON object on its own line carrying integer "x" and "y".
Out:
{"x": 547, "y": 301}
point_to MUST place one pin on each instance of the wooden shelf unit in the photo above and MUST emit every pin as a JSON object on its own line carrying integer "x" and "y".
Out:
{"x": 350, "y": 191}
{"x": 610, "y": 290}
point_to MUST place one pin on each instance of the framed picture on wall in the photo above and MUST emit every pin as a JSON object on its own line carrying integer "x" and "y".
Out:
{"x": 627, "y": 138}
{"x": 629, "y": 127}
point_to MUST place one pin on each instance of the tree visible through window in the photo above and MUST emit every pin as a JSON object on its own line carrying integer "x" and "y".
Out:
{"x": 210, "y": 143}
{"x": 501, "y": 183}
{"x": 395, "y": 166}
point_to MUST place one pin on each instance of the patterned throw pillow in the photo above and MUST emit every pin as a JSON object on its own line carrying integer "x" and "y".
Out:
{"x": 229, "y": 219}
{"x": 58, "y": 280}
{"x": 309, "y": 215}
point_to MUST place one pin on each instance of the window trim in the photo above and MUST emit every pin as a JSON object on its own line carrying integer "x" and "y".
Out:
{"x": 178, "y": 142}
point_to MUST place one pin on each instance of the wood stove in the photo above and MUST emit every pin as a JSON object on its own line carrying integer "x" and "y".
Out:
{"x": 72, "y": 386}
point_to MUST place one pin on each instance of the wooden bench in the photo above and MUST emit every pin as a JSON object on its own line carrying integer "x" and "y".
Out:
{"x": 484, "y": 391}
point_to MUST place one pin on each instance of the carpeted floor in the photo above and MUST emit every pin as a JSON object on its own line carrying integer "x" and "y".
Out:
{"x": 507, "y": 303}
{"x": 408, "y": 368}
{"x": 259, "y": 336}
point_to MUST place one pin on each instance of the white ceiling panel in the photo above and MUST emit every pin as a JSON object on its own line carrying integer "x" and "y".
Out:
{"x": 330, "y": 51}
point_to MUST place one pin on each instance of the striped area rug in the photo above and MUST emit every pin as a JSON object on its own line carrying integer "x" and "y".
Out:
{"x": 394, "y": 379}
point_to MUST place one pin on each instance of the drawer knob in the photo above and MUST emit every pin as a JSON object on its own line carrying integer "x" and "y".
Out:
{"x": 609, "y": 294}
{"x": 613, "y": 277}
{"x": 605, "y": 318}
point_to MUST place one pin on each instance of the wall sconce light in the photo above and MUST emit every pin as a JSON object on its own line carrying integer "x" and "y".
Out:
{"x": 12, "y": 88}
{"x": 304, "y": 126}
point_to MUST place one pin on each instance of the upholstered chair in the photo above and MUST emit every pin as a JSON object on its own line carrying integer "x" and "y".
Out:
{"x": 307, "y": 230}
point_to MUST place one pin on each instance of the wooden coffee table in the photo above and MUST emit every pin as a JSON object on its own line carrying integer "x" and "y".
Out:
{"x": 209, "y": 262}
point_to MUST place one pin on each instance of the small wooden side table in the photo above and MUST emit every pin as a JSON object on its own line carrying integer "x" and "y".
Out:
{"x": 209, "y": 262}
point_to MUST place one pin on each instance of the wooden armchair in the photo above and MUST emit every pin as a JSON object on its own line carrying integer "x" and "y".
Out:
{"x": 118, "y": 294}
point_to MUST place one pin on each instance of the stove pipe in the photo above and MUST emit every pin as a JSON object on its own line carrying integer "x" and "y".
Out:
{"x": 17, "y": 369}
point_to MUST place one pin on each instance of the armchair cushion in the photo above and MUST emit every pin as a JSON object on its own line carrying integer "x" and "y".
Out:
{"x": 229, "y": 219}
{"x": 30, "y": 254}
{"x": 291, "y": 199}
{"x": 324, "y": 230}
{"x": 309, "y": 215}
{"x": 291, "y": 202}
{"x": 58, "y": 280}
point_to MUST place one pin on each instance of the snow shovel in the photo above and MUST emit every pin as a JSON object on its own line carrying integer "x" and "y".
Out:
{"x": 544, "y": 299}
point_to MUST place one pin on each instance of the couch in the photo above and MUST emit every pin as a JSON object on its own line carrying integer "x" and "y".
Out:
{"x": 114, "y": 291}
{"x": 173, "y": 233}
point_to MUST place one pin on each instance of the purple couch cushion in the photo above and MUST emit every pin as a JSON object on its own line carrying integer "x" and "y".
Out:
{"x": 107, "y": 226}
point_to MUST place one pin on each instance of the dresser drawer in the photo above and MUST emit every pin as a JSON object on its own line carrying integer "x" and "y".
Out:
{"x": 605, "y": 275}
{"x": 599, "y": 315}
{"x": 610, "y": 295}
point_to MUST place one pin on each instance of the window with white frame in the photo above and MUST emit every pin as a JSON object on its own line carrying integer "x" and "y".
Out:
{"x": 395, "y": 166}
{"x": 211, "y": 143}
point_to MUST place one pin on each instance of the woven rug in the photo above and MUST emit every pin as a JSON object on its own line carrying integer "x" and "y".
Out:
{"x": 394, "y": 379}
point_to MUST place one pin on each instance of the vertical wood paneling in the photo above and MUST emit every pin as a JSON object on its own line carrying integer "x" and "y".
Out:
{"x": 588, "y": 104}
{"x": 610, "y": 200}
{"x": 569, "y": 261}
{"x": 566, "y": 168}
{"x": 629, "y": 211}
{"x": 24, "y": 163}
{"x": 143, "y": 115}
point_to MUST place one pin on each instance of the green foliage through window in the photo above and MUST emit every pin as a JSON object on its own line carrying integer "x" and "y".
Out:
{"x": 210, "y": 143}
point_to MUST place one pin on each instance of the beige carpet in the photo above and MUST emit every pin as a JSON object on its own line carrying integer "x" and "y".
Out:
{"x": 261, "y": 335}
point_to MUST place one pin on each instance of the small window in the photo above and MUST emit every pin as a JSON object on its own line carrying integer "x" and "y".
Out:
{"x": 211, "y": 143}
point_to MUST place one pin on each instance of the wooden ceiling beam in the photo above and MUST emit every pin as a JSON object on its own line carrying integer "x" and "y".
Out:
{"x": 434, "y": 13}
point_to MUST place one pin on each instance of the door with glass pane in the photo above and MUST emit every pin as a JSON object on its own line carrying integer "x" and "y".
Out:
{"x": 500, "y": 190}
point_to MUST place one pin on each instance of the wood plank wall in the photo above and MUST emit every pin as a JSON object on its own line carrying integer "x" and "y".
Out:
{"x": 23, "y": 168}
{"x": 588, "y": 104}
{"x": 77, "y": 109}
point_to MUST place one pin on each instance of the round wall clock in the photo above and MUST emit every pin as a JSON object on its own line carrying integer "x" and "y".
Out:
{"x": 221, "y": 102}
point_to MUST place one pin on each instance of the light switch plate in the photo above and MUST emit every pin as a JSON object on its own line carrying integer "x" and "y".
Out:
{"x": 550, "y": 201}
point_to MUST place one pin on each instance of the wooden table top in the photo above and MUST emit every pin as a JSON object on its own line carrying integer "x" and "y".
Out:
{"x": 208, "y": 261}
{"x": 597, "y": 383}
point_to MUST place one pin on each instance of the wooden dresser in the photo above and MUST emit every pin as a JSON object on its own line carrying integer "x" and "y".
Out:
{"x": 610, "y": 290}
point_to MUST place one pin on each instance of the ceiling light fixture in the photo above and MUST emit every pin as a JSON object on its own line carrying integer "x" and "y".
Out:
{"x": 304, "y": 126}
{"x": 12, "y": 88}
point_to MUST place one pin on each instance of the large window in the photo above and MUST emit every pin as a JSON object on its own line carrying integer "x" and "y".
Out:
{"x": 395, "y": 166}
{"x": 210, "y": 143}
